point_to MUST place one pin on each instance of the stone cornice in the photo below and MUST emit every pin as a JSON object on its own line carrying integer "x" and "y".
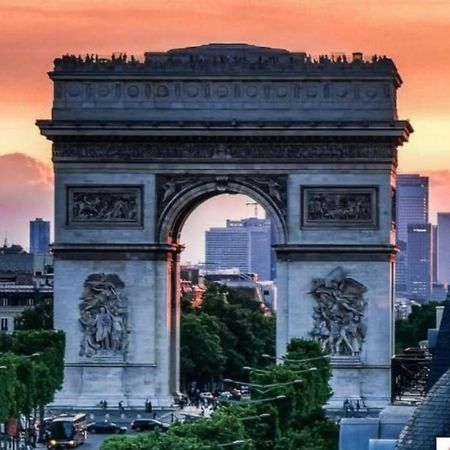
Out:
{"x": 397, "y": 130}
{"x": 335, "y": 252}
{"x": 96, "y": 251}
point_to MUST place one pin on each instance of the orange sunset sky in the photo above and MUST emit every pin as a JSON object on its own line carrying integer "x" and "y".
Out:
{"x": 414, "y": 33}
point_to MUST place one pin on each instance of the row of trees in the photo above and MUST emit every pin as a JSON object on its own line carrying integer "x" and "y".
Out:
{"x": 285, "y": 412}
{"x": 32, "y": 369}
{"x": 229, "y": 331}
{"x": 31, "y": 363}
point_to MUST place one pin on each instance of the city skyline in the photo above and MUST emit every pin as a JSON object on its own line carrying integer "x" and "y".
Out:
{"x": 36, "y": 33}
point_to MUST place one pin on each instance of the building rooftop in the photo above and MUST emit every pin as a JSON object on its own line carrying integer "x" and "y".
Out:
{"x": 431, "y": 419}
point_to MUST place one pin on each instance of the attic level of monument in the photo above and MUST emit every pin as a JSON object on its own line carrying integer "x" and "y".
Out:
{"x": 228, "y": 84}
{"x": 231, "y": 59}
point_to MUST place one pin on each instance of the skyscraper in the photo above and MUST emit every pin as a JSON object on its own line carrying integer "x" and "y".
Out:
{"x": 420, "y": 260}
{"x": 244, "y": 244}
{"x": 412, "y": 202}
{"x": 411, "y": 208}
{"x": 39, "y": 236}
{"x": 443, "y": 243}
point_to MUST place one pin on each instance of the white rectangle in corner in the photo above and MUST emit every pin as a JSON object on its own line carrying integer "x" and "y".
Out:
{"x": 443, "y": 443}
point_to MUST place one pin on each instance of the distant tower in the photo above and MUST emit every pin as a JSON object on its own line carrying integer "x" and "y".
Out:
{"x": 39, "y": 236}
{"x": 411, "y": 208}
{"x": 420, "y": 260}
{"x": 412, "y": 202}
{"x": 443, "y": 247}
{"x": 245, "y": 244}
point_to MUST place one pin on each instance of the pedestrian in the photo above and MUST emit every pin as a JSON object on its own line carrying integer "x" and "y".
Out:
{"x": 121, "y": 408}
{"x": 346, "y": 407}
{"x": 148, "y": 405}
{"x": 101, "y": 404}
{"x": 105, "y": 405}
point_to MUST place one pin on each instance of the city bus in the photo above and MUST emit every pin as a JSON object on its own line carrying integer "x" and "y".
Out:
{"x": 67, "y": 431}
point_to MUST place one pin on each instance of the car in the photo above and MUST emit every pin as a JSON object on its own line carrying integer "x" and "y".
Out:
{"x": 225, "y": 395}
{"x": 190, "y": 417}
{"x": 206, "y": 395}
{"x": 105, "y": 428}
{"x": 148, "y": 425}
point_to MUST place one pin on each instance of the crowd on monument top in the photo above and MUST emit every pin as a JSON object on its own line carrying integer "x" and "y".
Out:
{"x": 224, "y": 59}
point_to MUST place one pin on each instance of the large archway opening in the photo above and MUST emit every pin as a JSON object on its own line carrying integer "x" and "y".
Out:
{"x": 223, "y": 285}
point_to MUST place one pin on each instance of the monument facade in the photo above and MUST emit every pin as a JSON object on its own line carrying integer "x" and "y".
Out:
{"x": 138, "y": 145}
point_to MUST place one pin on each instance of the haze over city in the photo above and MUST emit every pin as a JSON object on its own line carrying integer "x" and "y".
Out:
{"x": 34, "y": 33}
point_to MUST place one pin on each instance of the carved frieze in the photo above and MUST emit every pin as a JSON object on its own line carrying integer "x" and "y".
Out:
{"x": 104, "y": 205}
{"x": 339, "y": 323}
{"x": 339, "y": 207}
{"x": 103, "y": 317}
{"x": 271, "y": 187}
{"x": 250, "y": 151}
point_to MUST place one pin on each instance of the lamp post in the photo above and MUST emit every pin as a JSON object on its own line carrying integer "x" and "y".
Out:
{"x": 231, "y": 444}
{"x": 264, "y": 388}
{"x": 276, "y": 358}
{"x": 262, "y": 371}
{"x": 258, "y": 417}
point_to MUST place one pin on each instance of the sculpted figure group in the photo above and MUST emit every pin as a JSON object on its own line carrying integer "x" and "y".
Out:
{"x": 103, "y": 316}
{"x": 104, "y": 206}
{"x": 339, "y": 313}
{"x": 338, "y": 207}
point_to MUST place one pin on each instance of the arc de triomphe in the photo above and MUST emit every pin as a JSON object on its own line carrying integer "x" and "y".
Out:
{"x": 137, "y": 145}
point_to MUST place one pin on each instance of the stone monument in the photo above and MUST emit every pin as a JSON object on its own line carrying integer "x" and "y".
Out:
{"x": 138, "y": 144}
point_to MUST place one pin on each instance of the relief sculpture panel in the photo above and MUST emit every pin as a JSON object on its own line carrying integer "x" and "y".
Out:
{"x": 103, "y": 316}
{"x": 98, "y": 205}
{"x": 339, "y": 206}
{"x": 339, "y": 313}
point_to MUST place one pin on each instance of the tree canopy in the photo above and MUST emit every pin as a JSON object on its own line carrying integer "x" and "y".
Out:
{"x": 38, "y": 317}
{"x": 31, "y": 370}
{"x": 228, "y": 332}
{"x": 285, "y": 412}
{"x": 409, "y": 332}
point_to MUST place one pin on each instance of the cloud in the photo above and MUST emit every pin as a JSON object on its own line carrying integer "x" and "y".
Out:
{"x": 26, "y": 192}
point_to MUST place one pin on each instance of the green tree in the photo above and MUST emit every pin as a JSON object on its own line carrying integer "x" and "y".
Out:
{"x": 246, "y": 332}
{"x": 34, "y": 359}
{"x": 201, "y": 355}
{"x": 8, "y": 386}
{"x": 266, "y": 422}
{"x": 303, "y": 379}
{"x": 206, "y": 434}
{"x": 38, "y": 317}
{"x": 408, "y": 332}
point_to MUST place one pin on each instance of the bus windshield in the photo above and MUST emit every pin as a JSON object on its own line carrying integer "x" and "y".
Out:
{"x": 62, "y": 430}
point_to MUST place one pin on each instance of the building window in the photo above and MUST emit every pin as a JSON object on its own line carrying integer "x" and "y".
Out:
{"x": 30, "y": 301}
{"x": 3, "y": 324}
{"x": 4, "y": 302}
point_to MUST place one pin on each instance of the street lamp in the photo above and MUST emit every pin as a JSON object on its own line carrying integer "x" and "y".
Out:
{"x": 229, "y": 444}
{"x": 265, "y": 400}
{"x": 262, "y": 371}
{"x": 260, "y": 416}
{"x": 283, "y": 358}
